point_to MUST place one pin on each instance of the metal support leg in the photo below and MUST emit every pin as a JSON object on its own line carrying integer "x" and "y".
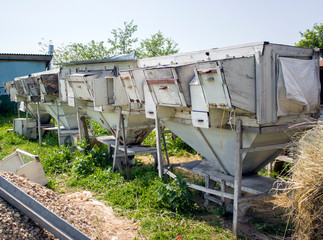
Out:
{"x": 79, "y": 123}
{"x": 158, "y": 146}
{"x": 270, "y": 168}
{"x": 207, "y": 185}
{"x": 225, "y": 201}
{"x": 125, "y": 147}
{"x": 237, "y": 178}
{"x": 116, "y": 145}
{"x": 39, "y": 127}
{"x": 165, "y": 147}
{"x": 91, "y": 125}
{"x": 59, "y": 124}
{"x": 27, "y": 119}
{"x": 18, "y": 107}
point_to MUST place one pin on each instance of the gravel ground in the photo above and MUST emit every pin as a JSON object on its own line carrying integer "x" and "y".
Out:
{"x": 91, "y": 217}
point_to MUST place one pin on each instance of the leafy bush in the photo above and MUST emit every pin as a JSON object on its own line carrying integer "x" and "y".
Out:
{"x": 175, "y": 195}
{"x": 98, "y": 130}
{"x": 58, "y": 161}
{"x": 85, "y": 164}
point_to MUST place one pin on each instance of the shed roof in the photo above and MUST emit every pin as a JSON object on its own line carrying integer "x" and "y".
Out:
{"x": 119, "y": 58}
{"x": 25, "y": 57}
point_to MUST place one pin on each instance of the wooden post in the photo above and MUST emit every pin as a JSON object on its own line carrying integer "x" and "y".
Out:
{"x": 58, "y": 125}
{"x": 86, "y": 132}
{"x": 39, "y": 127}
{"x": 237, "y": 178}
{"x": 158, "y": 146}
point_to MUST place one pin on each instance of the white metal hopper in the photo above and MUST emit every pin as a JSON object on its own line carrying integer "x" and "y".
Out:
{"x": 101, "y": 93}
{"x": 25, "y": 89}
{"x": 267, "y": 86}
{"x": 55, "y": 105}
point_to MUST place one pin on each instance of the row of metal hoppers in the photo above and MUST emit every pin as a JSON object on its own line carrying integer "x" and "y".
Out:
{"x": 235, "y": 106}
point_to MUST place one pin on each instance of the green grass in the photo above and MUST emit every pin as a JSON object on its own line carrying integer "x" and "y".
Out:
{"x": 163, "y": 207}
{"x": 175, "y": 147}
{"x": 265, "y": 226}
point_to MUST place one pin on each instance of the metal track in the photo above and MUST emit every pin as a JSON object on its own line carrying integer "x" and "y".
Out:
{"x": 38, "y": 213}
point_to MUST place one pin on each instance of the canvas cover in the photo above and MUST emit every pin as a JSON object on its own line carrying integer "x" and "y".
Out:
{"x": 298, "y": 86}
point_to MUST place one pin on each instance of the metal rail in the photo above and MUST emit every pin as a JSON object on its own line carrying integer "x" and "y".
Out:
{"x": 38, "y": 213}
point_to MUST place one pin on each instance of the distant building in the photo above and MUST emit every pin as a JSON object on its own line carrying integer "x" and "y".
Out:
{"x": 15, "y": 65}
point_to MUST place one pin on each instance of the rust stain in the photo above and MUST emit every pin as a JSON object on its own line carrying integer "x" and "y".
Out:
{"x": 125, "y": 77}
{"x": 213, "y": 105}
{"x": 161, "y": 81}
{"x": 207, "y": 70}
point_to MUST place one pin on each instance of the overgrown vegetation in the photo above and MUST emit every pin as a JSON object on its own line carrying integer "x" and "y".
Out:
{"x": 163, "y": 207}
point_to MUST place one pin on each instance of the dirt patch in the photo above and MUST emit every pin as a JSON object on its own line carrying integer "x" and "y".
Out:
{"x": 79, "y": 209}
{"x": 173, "y": 160}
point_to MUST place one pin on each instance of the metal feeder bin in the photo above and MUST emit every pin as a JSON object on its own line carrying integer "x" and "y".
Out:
{"x": 26, "y": 90}
{"x": 52, "y": 101}
{"x": 100, "y": 93}
{"x": 104, "y": 91}
{"x": 201, "y": 102}
{"x": 99, "y": 90}
{"x": 235, "y": 107}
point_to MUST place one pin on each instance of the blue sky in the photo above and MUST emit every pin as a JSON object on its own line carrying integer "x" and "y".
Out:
{"x": 194, "y": 25}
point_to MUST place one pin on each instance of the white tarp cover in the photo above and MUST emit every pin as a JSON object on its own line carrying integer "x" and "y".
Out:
{"x": 298, "y": 86}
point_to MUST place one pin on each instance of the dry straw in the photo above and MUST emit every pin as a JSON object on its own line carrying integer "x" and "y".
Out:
{"x": 304, "y": 192}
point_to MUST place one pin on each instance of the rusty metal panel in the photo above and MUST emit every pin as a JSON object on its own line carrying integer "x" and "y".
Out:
{"x": 48, "y": 84}
{"x": 19, "y": 87}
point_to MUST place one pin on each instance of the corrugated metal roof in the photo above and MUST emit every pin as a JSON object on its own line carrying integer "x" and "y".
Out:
{"x": 120, "y": 58}
{"x": 25, "y": 57}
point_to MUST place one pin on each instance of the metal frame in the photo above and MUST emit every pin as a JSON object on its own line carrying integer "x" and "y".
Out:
{"x": 238, "y": 173}
{"x": 222, "y": 178}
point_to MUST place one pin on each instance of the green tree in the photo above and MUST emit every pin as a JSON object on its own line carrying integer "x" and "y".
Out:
{"x": 157, "y": 45}
{"x": 312, "y": 38}
{"x": 123, "y": 39}
{"x": 80, "y": 52}
{"x": 122, "y": 42}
